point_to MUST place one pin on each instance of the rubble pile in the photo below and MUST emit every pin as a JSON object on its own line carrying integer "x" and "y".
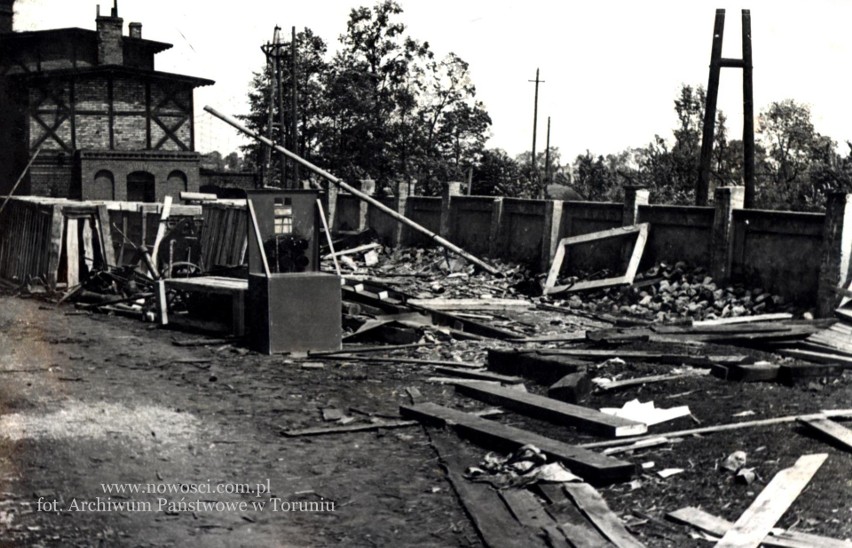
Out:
{"x": 671, "y": 292}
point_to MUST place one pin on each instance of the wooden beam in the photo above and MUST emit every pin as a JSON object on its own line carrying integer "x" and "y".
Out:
{"x": 544, "y": 369}
{"x": 836, "y": 432}
{"x": 592, "y": 467}
{"x": 72, "y": 253}
{"x": 573, "y": 526}
{"x": 540, "y": 407}
{"x": 161, "y": 227}
{"x": 745, "y": 319}
{"x": 481, "y": 375}
{"x": 759, "y": 518}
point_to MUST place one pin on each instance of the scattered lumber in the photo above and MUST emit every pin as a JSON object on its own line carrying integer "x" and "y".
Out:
{"x": 834, "y": 431}
{"x": 779, "y": 538}
{"x": 489, "y": 514}
{"x": 356, "y": 349}
{"x": 479, "y": 374}
{"x": 745, "y": 319}
{"x": 641, "y": 232}
{"x": 526, "y": 508}
{"x": 618, "y": 335}
{"x": 540, "y": 407}
{"x": 595, "y": 508}
{"x": 472, "y": 304}
{"x": 759, "y": 518}
{"x": 354, "y": 250}
{"x": 639, "y": 381}
{"x": 576, "y": 336}
{"x": 817, "y": 357}
{"x": 724, "y": 427}
{"x": 592, "y": 467}
{"x": 571, "y": 388}
{"x": 533, "y": 365}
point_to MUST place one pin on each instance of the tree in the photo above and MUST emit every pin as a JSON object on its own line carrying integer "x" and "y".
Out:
{"x": 497, "y": 174}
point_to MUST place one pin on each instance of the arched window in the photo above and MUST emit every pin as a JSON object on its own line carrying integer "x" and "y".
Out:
{"x": 104, "y": 187}
{"x": 176, "y": 183}
{"x": 141, "y": 187}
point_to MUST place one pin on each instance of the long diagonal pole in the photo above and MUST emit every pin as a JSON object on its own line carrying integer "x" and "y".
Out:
{"x": 355, "y": 192}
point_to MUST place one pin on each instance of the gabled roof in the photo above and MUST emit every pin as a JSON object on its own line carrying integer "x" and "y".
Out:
{"x": 72, "y": 33}
{"x": 117, "y": 69}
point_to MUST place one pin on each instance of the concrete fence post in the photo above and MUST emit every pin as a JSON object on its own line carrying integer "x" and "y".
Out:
{"x": 368, "y": 186}
{"x": 550, "y": 232}
{"x": 835, "y": 267}
{"x": 402, "y": 191}
{"x": 452, "y": 189}
{"x": 332, "y": 193}
{"x": 728, "y": 198}
{"x": 494, "y": 230}
{"x": 634, "y": 196}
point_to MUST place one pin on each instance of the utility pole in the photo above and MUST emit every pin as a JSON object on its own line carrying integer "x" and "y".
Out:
{"x": 534, "y": 171}
{"x": 547, "y": 156}
{"x": 294, "y": 106}
{"x": 272, "y": 50}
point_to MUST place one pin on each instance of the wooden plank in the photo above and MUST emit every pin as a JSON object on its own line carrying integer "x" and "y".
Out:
{"x": 817, "y": 357}
{"x": 542, "y": 368}
{"x": 489, "y": 514}
{"x": 759, "y": 518}
{"x": 105, "y": 235}
{"x": 748, "y": 372}
{"x": 573, "y": 525}
{"x": 72, "y": 253}
{"x": 594, "y": 507}
{"x": 641, "y": 355}
{"x": 838, "y": 433}
{"x": 526, "y": 508}
{"x": 161, "y": 227}
{"x": 348, "y": 428}
{"x": 472, "y": 304}
{"x": 798, "y": 372}
{"x": 777, "y": 538}
{"x": 591, "y": 466}
{"x": 745, "y": 319}
{"x": 540, "y": 407}
{"x": 88, "y": 245}
{"x": 625, "y": 383}
{"x": 725, "y": 427}
{"x": 162, "y": 303}
{"x": 55, "y": 246}
{"x": 478, "y": 374}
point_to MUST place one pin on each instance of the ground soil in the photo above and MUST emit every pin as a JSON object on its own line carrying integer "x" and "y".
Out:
{"x": 89, "y": 399}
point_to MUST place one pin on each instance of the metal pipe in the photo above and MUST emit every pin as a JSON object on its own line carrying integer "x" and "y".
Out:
{"x": 355, "y": 192}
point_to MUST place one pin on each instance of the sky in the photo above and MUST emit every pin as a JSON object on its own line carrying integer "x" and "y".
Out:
{"x": 611, "y": 69}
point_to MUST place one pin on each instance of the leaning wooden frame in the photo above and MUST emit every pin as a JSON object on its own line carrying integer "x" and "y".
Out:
{"x": 641, "y": 231}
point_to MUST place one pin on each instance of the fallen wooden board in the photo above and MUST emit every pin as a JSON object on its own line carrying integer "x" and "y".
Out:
{"x": 576, "y": 336}
{"x": 792, "y": 373}
{"x": 777, "y": 538}
{"x": 594, "y": 507}
{"x": 817, "y": 357}
{"x": 391, "y": 359}
{"x": 555, "y": 411}
{"x": 625, "y": 383}
{"x": 747, "y": 372}
{"x": 723, "y": 427}
{"x": 489, "y": 514}
{"x": 471, "y": 304}
{"x": 526, "y": 508}
{"x": 836, "y": 432}
{"x": 592, "y": 467}
{"x": 478, "y": 374}
{"x": 641, "y": 355}
{"x": 759, "y": 518}
{"x": 616, "y": 335}
{"x": 533, "y": 365}
{"x": 745, "y": 319}
{"x": 348, "y": 428}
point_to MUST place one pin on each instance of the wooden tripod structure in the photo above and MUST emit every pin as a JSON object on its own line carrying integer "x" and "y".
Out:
{"x": 717, "y": 62}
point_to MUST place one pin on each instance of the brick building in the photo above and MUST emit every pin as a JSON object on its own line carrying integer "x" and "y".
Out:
{"x": 109, "y": 126}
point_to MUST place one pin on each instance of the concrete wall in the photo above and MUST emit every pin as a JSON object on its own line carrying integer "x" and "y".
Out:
{"x": 778, "y": 251}
{"x": 785, "y": 253}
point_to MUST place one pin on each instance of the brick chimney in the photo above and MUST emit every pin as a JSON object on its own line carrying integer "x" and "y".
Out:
{"x": 135, "y": 30}
{"x": 110, "y": 47}
{"x": 6, "y": 15}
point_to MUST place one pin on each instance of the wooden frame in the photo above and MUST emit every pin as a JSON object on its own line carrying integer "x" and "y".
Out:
{"x": 641, "y": 231}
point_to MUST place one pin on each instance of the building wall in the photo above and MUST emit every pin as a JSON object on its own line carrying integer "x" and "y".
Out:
{"x": 104, "y": 175}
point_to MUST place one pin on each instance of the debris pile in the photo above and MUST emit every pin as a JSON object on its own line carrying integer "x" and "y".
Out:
{"x": 671, "y": 292}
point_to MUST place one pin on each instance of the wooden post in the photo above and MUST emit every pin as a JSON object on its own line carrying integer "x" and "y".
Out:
{"x": 550, "y": 232}
{"x": 748, "y": 113}
{"x": 836, "y": 263}
{"x": 332, "y": 194}
{"x": 56, "y": 224}
{"x": 728, "y": 198}
{"x": 634, "y": 196}
{"x": 702, "y": 188}
{"x": 72, "y": 253}
{"x": 450, "y": 190}
{"x": 368, "y": 187}
{"x": 496, "y": 223}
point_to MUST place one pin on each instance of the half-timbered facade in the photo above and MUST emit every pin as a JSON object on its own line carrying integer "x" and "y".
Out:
{"x": 105, "y": 123}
